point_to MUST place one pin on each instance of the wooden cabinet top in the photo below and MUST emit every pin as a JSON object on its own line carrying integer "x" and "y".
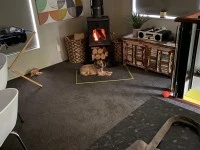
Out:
{"x": 165, "y": 44}
{"x": 192, "y": 18}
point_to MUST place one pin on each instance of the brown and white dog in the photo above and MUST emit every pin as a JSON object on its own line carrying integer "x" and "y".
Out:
{"x": 92, "y": 69}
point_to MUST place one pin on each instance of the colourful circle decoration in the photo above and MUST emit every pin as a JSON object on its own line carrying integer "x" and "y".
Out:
{"x": 74, "y": 7}
{"x": 58, "y": 15}
{"x": 56, "y": 4}
{"x": 61, "y": 3}
{"x": 41, "y": 5}
{"x": 43, "y": 17}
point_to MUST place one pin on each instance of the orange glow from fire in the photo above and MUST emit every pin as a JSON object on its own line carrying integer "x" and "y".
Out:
{"x": 95, "y": 35}
{"x": 99, "y": 34}
{"x": 103, "y": 32}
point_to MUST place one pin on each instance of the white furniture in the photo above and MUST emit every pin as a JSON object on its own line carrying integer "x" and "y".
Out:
{"x": 4, "y": 75}
{"x": 8, "y": 114}
{"x": 3, "y": 71}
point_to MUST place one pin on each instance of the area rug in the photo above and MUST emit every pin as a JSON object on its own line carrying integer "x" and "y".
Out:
{"x": 143, "y": 124}
{"x": 120, "y": 73}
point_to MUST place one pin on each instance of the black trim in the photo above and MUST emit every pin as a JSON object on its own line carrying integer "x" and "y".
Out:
{"x": 191, "y": 74}
{"x": 182, "y": 58}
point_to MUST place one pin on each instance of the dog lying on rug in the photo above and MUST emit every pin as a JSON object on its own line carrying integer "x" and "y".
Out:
{"x": 92, "y": 69}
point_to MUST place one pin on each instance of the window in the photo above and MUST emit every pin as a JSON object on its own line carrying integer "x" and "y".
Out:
{"x": 174, "y": 7}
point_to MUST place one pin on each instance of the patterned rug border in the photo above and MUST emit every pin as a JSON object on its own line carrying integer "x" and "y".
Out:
{"x": 105, "y": 81}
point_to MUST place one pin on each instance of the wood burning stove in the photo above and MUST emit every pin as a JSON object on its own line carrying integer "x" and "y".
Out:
{"x": 98, "y": 32}
{"x": 98, "y": 25}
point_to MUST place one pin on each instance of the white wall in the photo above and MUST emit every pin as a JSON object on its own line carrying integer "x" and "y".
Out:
{"x": 119, "y": 11}
{"x": 159, "y": 22}
{"x": 51, "y": 37}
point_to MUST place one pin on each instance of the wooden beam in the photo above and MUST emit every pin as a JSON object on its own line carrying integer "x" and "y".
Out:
{"x": 23, "y": 76}
{"x": 18, "y": 56}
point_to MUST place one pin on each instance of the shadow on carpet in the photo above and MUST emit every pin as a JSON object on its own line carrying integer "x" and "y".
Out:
{"x": 120, "y": 73}
{"x": 144, "y": 123}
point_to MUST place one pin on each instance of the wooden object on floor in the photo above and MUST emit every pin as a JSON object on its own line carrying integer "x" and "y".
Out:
{"x": 99, "y": 53}
{"x": 18, "y": 56}
{"x": 149, "y": 55}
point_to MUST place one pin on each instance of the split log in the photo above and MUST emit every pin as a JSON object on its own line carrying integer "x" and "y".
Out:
{"x": 94, "y": 51}
{"x": 100, "y": 51}
{"x": 103, "y": 57}
{"x": 93, "y": 57}
{"x": 97, "y": 57}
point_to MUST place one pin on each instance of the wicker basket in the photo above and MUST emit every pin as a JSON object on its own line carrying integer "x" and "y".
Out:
{"x": 76, "y": 49}
{"x": 118, "y": 50}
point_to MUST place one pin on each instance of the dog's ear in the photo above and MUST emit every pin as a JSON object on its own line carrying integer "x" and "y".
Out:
{"x": 102, "y": 63}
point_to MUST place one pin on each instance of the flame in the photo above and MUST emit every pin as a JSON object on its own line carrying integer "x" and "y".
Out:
{"x": 95, "y": 35}
{"x": 104, "y": 34}
{"x": 99, "y": 34}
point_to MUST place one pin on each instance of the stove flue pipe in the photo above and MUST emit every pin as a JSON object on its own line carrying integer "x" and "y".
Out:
{"x": 97, "y": 8}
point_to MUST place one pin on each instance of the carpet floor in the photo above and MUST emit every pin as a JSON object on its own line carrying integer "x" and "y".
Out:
{"x": 144, "y": 123}
{"x": 66, "y": 116}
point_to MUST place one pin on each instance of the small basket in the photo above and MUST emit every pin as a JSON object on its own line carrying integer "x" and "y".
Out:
{"x": 76, "y": 49}
{"x": 118, "y": 50}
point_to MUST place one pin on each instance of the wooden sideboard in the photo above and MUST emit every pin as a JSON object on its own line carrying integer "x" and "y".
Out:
{"x": 149, "y": 55}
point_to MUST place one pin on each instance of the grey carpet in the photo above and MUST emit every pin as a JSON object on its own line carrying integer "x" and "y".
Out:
{"x": 66, "y": 116}
{"x": 119, "y": 73}
{"x": 143, "y": 124}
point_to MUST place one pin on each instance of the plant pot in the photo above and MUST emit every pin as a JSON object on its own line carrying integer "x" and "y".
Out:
{"x": 135, "y": 32}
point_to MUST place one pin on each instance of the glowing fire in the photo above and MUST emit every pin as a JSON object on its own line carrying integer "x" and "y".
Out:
{"x": 95, "y": 35}
{"x": 99, "y": 34}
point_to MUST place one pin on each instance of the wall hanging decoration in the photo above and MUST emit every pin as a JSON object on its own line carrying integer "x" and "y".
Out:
{"x": 57, "y": 10}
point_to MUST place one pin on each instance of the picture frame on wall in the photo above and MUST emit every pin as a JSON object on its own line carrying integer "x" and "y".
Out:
{"x": 57, "y": 10}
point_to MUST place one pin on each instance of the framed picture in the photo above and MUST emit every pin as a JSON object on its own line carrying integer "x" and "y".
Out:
{"x": 57, "y": 10}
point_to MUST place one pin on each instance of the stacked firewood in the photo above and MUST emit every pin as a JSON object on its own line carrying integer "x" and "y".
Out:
{"x": 99, "y": 53}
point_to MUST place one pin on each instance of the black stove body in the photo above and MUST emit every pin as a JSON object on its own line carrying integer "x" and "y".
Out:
{"x": 98, "y": 25}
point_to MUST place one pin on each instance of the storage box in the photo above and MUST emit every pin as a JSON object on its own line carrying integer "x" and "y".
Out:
{"x": 118, "y": 50}
{"x": 76, "y": 49}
